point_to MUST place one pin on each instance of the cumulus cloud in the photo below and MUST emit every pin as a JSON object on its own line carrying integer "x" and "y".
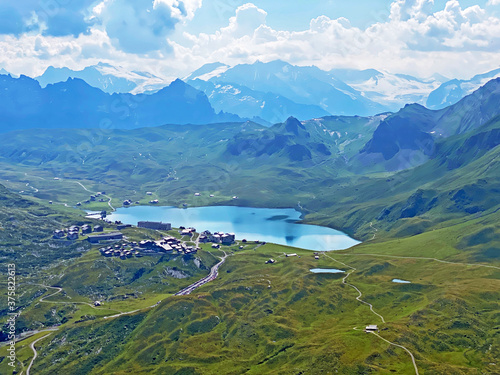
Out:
{"x": 412, "y": 39}
{"x": 141, "y": 26}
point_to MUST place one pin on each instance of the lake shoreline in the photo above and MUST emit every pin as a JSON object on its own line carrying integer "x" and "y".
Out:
{"x": 273, "y": 225}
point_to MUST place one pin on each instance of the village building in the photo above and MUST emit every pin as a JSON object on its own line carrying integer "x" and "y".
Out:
{"x": 157, "y": 225}
{"x": 105, "y": 237}
{"x": 371, "y": 328}
{"x": 72, "y": 236}
{"x": 58, "y": 234}
{"x": 86, "y": 229}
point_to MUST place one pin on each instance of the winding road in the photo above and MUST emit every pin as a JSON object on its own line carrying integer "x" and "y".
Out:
{"x": 109, "y": 198}
{"x": 211, "y": 276}
{"x": 35, "y": 354}
{"x": 214, "y": 272}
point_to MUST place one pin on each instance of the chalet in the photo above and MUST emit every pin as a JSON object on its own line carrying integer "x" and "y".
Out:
{"x": 58, "y": 234}
{"x": 154, "y": 201}
{"x": 203, "y": 238}
{"x": 123, "y": 226}
{"x": 371, "y": 328}
{"x": 270, "y": 261}
{"x": 146, "y": 244}
{"x": 316, "y": 257}
{"x": 79, "y": 204}
{"x": 197, "y": 194}
{"x": 97, "y": 303}
{"x": 92, "y": 198}
{"x": 157, "y": 225}
{"x": 215, "y": 246}
{"x": 86, "y": 229}
{"x": 73, "y": 228}
{"x": 127, "y": 202}
{"x": 98, "y": 228}
{"x": 149, "y": 193}
{"x": 72, "y": 236}
{"x": 291, "y": 255}
{"x": 185, "y": 232}
{"x": 113, "y": 236}
{"x": 226, "y": 239}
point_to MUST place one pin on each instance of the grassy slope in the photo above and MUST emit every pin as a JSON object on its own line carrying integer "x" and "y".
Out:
{"x": 448, "y": 316}
{"x": 283, "y": 319}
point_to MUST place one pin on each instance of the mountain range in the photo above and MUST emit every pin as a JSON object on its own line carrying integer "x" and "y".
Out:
{"x": 452, "y": 91}
{"x": 108, "y": 78}
{"x": 271, "y": 92}
{"x": 25, "y": 104}
{"x": 420, "y": 187}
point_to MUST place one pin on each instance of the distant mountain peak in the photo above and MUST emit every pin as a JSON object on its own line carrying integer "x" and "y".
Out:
{"x": 207, "y": 71}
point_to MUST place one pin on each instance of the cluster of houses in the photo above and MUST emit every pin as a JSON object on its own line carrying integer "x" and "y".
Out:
{"x": 217, "y": 237}
{"x": 73, "y": 232}
{"x": 123, "y": 251}
{"x": 128, "y": 202}
{"x": 167, "y": 245}
{"x": 170, "y": 244}
{"x": 93, "y": 198}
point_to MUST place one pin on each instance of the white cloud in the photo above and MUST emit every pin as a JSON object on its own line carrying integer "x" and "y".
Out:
{"x": 455, "y": 41}
{"x": 413, "y": 40}
{"x": 141, "y": 26}
{"x": 493, "y": 2}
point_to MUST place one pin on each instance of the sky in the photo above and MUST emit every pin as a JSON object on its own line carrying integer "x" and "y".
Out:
{"x": 171, "y": 38}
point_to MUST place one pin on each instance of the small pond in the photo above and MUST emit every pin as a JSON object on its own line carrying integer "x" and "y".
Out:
{"x": 326, "y": 270}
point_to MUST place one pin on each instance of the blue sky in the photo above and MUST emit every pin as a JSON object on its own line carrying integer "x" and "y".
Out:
{"x": 170, "y": 38}
{"x": 296, "y": 15}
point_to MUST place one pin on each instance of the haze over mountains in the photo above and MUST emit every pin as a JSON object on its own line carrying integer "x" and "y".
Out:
{"x": 75, "y": 104}
{"x": 271, "y": 92}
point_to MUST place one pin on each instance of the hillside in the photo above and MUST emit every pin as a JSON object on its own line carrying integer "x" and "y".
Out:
{"x": 432, "y": 223}
{"x": 408, "y": 138}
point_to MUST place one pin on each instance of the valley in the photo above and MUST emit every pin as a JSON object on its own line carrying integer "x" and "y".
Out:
{"x": 415, "y": 192}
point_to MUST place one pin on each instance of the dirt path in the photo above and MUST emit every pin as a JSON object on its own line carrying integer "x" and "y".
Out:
{"x": 358, "y": 298}
{"x": 424, "y": 258}
{"x": 402, "y": 347}
{"x": 59, "y": 290}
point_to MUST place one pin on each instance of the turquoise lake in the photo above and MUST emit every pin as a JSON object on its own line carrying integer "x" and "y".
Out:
{"x": 264, "y": 224}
